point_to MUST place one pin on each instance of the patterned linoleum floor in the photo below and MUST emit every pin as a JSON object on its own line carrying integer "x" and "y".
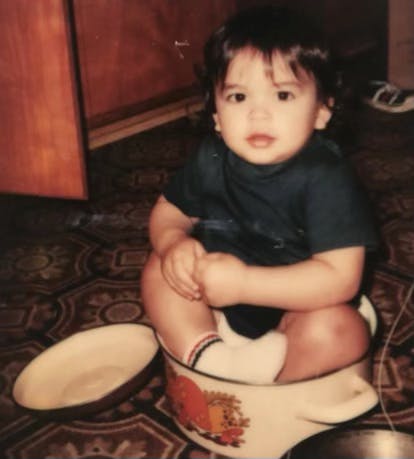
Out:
{"x": 67, "y": 266}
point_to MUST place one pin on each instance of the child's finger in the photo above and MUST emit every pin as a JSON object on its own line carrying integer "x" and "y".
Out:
{"x": 181, "y": 289}
{"x": 184, "y": 283}
{"x": 199, "y": 250}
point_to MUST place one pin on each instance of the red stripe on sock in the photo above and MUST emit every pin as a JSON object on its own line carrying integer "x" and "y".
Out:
{"x": 200, "y": 345}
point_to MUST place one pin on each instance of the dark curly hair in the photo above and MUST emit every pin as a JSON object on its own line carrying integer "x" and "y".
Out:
{"x": 269, "y": 29}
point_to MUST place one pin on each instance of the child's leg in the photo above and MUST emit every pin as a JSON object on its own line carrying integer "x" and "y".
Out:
{"x": 322, "y": 340}
{"x": 177, "y": 320}
{"x": 189, "y": 331}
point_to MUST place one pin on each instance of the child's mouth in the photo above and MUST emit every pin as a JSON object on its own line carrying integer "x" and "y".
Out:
{"x": 260, "y": 140}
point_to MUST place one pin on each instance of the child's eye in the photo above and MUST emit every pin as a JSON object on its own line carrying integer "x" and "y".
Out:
{"x": 236, "y": 97}
{"x": 285, "y": 95}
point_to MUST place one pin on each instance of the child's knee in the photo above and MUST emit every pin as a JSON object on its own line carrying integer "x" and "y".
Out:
{"x": 340, "y": 329}
{"x": 151, "y": 281}
{"x": 152, "y": 269}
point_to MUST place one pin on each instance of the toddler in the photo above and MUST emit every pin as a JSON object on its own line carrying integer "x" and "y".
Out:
{"x": 260, "y": 239}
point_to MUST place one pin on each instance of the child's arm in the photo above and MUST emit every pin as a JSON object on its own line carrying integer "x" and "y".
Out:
{"x": 169, "y": 228}
{"x": 328, "y": 278}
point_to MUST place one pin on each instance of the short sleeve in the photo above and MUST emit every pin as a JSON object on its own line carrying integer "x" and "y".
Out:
{"x": 184, "y": 188}
{"x": 338, "y": 214}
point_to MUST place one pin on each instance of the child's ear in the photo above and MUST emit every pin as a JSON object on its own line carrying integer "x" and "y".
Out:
{"x": 217, "y": 127}
{"x": 324, "y": 115}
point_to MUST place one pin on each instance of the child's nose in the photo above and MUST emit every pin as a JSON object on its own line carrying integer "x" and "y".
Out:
{"x": 259, "y": 110}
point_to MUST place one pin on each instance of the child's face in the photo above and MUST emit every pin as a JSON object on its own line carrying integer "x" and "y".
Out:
{"x": 267, "y": 115}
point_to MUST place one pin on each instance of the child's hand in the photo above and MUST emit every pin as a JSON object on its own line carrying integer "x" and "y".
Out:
{"x": 220, "y": 277}
{"x": 178, "y": 265}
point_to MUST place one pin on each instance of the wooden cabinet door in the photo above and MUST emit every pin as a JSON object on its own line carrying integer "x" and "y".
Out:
{"x": 136, "y": 55}
{"x": 41, "y": 146}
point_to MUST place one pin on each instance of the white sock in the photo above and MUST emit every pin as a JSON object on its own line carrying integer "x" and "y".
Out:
{"x": 257, "y": 361}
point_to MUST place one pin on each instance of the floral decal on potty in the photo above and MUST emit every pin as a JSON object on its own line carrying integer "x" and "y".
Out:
{"x": 213, "y": 415}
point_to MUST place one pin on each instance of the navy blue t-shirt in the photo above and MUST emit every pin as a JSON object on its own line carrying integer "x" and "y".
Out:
{"x": 272, "y": 214}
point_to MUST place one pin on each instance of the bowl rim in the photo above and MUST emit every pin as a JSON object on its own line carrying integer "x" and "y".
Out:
{"x": 114, "y": 396}
{"x": 335, "y": 434}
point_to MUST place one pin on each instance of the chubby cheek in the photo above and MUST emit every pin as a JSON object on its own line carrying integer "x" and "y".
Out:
{"x": 221, "y": 120}
{"x": 224, "y": 128}
{"x": 229, "y": 137}
{"x": 229, "y": 126}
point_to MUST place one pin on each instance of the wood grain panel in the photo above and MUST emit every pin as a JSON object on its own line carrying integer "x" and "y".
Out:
{"x": 133, "y": 51}
{"x": 40, "y": 138}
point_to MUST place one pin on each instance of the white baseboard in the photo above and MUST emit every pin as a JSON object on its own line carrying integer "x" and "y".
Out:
{"x": 138, "y": 123}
